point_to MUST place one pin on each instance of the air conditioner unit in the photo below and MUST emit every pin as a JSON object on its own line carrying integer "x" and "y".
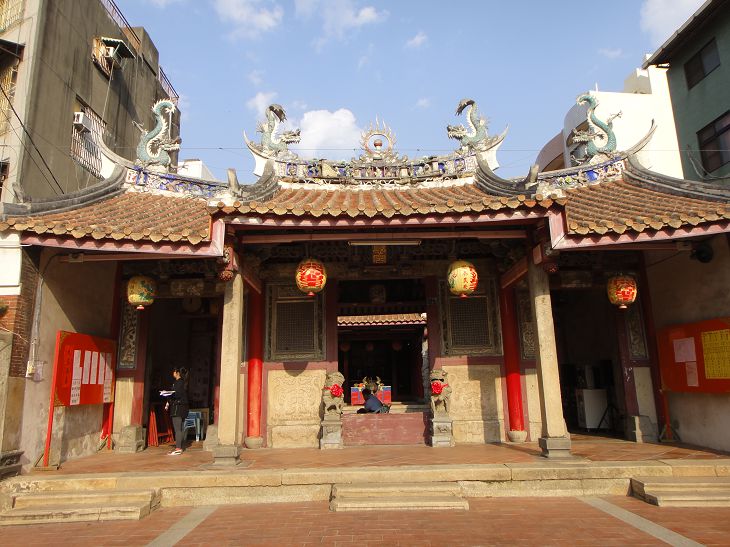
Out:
{"x": 112, "y": 54}
{"x": 82, "y": 122}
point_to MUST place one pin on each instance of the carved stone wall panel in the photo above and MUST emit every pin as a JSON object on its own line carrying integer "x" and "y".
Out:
{"x": 476, "y": 403}
{"x": 294, "y": 400}
{"x": 526, "y": 326}
{"x": 635, "y": 333}
{"x": 128, "y": 338}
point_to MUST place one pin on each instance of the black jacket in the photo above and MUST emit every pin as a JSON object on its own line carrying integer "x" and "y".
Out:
{"x": 179, "y": 405}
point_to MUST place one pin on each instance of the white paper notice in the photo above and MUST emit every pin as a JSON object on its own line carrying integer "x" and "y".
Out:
{"x": 76, "y": 378}
{"x": 108, "y": 378}
{"x": 94, "y": 367}
{"x": 102, "y": 368}
{"x": 693, "y": 380}
{"x": 684, "y": 350}
{"x": 87, "y": 367}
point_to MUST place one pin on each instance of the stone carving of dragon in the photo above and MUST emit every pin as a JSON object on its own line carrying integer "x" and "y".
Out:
{"x": 154, "y": 145}
{"x": 477, "y": 134}
{"x": 592, "y": 150}
{"x": 270, "y": 142}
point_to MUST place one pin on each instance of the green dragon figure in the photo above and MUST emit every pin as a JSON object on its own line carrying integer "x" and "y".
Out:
{"x": 154, "y": 145}
{"x": 270, "y": 142}
{"x": 477, "y": 134}
{"x": 589, "y": 137}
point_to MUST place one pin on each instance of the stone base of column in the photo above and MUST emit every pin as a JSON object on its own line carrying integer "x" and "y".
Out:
{"x": 253, "y": 442}
{"x": 555, "y": 447}
{"x": 10, "y": 463}
{"x": 640, "y": 429}
{"x": 331, "y": 432}
{"x": 226, "y": 455}
{"x": 517, "y": 436}
{"x": 211, "y": 438}
{"x": 131, "y": 439}
{"x": 442, "y": 431}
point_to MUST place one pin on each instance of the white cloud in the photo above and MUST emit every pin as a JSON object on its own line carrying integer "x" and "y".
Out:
{"x": 251, "y": 17}
{"x": 339, "y": 17}
{"x": 661, "y": 18}
{"x": 328, "y": 134}
{"x": 256, "y": 77}
{"x": 610, "y": 53}
{"x": 417, "y": 41}
{"x": 423, "y": 102}
{"x": 258, "y": 103}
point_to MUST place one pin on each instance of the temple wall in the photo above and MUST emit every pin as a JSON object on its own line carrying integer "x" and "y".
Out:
{"x": 293, "y": 407}
{"x": 477, "y": 407}
{"x": 78, "y": 298}
{"x": 684, "y": 291}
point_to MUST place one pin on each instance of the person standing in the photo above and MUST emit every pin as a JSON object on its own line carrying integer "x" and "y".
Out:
{"x": 179, "y": 407}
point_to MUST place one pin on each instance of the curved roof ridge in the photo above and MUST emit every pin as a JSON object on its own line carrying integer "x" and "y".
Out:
{"x": 645, "y": 178}
{"x": 491, "y": 183}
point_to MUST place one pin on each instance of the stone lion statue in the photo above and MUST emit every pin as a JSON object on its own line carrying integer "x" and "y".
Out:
{"x": 332, "y": 394}
{"x": 440, "y": 392}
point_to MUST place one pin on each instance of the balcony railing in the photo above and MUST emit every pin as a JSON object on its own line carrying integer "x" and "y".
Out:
{"x": 167, "y": 86}
{"x": 118, "y": 17}
{"x": 11, "y": 12}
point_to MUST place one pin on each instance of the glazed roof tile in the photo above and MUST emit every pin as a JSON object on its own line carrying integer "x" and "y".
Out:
{"x": 618, "y": 206}
{"x": 376, "y": 201}
{"x": 129, "y": 216}
{"x": 383, "y": 319}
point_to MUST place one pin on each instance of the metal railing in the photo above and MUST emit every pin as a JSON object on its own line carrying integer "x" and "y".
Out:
{"x": 11, "y": 11}
{"x": 167, "y": 86}
{"x": 118, "y": 17}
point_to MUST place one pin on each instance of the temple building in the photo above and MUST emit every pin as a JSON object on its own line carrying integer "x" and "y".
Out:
{"x": 482, "y": 309}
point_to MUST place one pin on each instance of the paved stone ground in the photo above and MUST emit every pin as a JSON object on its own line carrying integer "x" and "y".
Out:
{"x": 592, "y": 448}
{"x": 490, "y": 521}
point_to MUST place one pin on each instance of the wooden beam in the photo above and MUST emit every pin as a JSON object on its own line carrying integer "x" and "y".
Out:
{"x": 384, "y": 237}
{"x": 514, "y": 274}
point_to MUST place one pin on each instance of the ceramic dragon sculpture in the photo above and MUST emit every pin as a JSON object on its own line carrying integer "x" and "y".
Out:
{"x": 476, "y": 136}
{"x": 154, "y": 145}
{"x": 589, "y": 137}
{"x": 270, "y": 142}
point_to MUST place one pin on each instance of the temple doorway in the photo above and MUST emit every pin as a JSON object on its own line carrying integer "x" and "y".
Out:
{"x": 380, "y": 332}
{"x": 588, "y": 357}
{"x": 183, "y": 332}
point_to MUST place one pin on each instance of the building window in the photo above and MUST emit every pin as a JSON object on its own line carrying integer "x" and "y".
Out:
{"x": 4, "y": 171}
{"x": 714, "y": 143}
{"x": 87, "y": 133}
{"x": 704, "y": 61}
{"x": 295, "y": 327}
{"x": 11, "y": 11}
{"x": 108, "y": 53}
{"x": 8, "y": 77}
{"x": 469, "y": 325}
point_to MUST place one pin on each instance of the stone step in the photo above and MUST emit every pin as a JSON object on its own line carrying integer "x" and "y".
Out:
{"x": 683, "y": 491}
{"x": 73, "y": 498}
{"x": 668, "y": 498}
{"x": 413, "y": 489}
{"x": 401, "y": 503}
{"x": 86, "y": 513}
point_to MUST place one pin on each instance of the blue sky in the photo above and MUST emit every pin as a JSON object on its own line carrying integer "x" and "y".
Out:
{"x": 335, "y": 65}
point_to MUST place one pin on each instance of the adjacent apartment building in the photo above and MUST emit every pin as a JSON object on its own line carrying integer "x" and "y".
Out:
{"x": 71, "y": 74}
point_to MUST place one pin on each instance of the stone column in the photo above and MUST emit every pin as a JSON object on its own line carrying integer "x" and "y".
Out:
{"x": 229, "y": 434}
{"x": 554, "y": 442}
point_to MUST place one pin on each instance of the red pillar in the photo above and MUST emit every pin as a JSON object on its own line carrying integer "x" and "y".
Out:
{"x": 511, "y": 347}
{"x": 254, "y": 331}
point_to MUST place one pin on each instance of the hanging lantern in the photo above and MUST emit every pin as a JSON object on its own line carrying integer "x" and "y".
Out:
{"x": 622, "y": 290}
{"x": 141, "y": 291}
{"x": 462, "y": 278}
{"x": 311, "y": 276}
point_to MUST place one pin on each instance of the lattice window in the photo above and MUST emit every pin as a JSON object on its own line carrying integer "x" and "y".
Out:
{"x": 87, "y": 133}
{"x": 469, "y": 325}
{"x": 295, "y": 329}
{"x": 100, "y": 56}
{"x": 11, "y": 11}
{"x": 8, "y": 77}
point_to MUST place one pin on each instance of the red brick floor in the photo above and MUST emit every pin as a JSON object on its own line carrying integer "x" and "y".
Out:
{"x": 490, "y": 521}
{"x": 589, "y": 447}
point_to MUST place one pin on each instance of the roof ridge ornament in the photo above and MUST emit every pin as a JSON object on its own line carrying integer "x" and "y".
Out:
{"x": 273, "y": 145}
{"x": 476, "y": 137}
{"x": 371, "y": 141}
{"x": 598, "y": 130}
{"x": 154, "y": 145}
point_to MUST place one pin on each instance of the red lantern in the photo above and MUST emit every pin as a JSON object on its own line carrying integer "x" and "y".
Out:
{"x": 311, "y": 276}
{"x": 622, "y": 290}
{"x": 462, "y": 278}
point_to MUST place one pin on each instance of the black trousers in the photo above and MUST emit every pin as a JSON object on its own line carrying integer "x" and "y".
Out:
{"x": 177, "y": 424}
